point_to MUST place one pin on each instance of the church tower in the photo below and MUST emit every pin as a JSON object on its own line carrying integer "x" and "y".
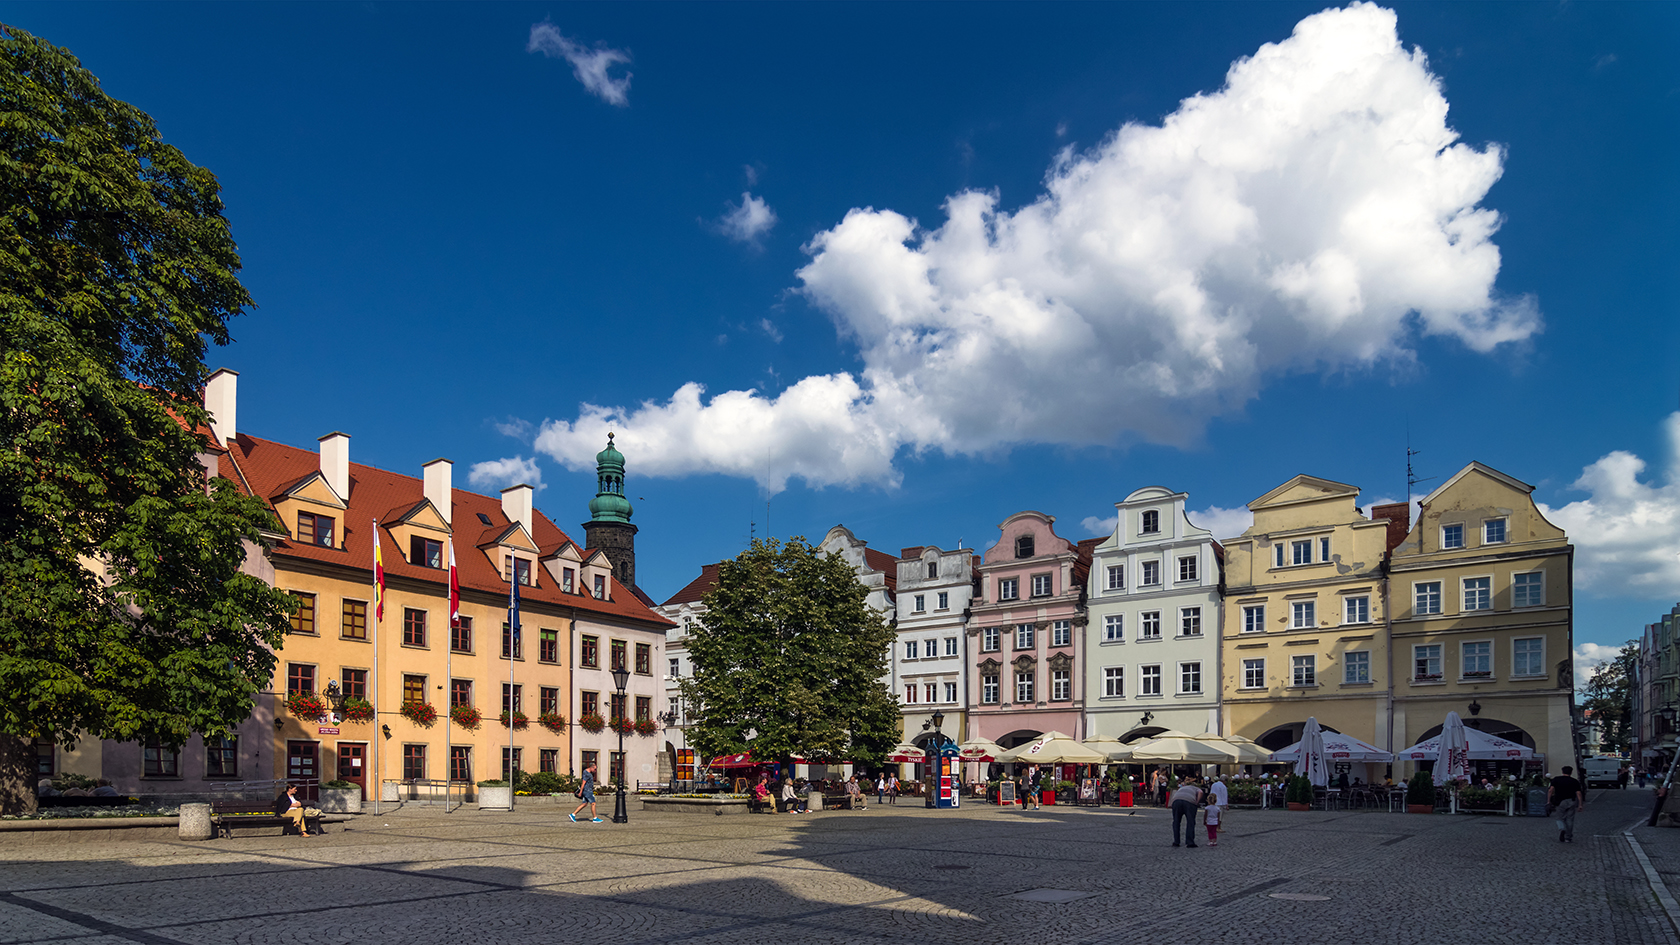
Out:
{"x": 609, "y": 527}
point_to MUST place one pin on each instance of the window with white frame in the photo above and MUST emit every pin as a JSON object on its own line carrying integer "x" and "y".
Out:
{"x": 932, "y": 570}
{"x": 1303, "y": 614}
{"x": 991, "y": 640}
{"x": 1426, "y": 597}
{"x": 1324, "y": 549}
{"x": 1009, "y": 589}
{"x": 1254, "y": 674}
{"x": 910, "y": 694}
{"x": 1151, "y": 573}
{"x": 1356, "y": 609}
{"x": 1149, "y": 680}
{"x": 1190, "y": 622}
{"x": 1041, "y": 585}
{"x": 950, "y": 692}
{"x": 931, "y": 690}
{"x": 1277, "y": 555}
{"x": 1426, "y": 662}
{"x": 1190, "y": 678}
{"x": 1528, "y": 589}
{"x": 1114, "y": 628}
{"x": 1114, "y": 681}
{"x": 1151, "y": 522}
{"x": 1116, "y": 577}
{"x": 910, "y": 649}
{"x": 1476, "y": 660}
{"x": 950, "y": 646}
{"x": 1187, "y": 568}
{"x": 1452, "y": 536}
{"x": 1150, "y": 628}
{"x": 989, "y": 688}
{"x": 1024, "y": 686}
{"x": 1303, "y": 670}
{"x": 1356, "y": 667}
{"x": 1061, "y": 633}
{"x": 930, "y": 646}
{"x": 920, "y": 604}
{"x": 1024, "y": 636}
{"x": 1254, "y": 618}
{"x": 1493, "y": 531}
{"x": 1061, "y": 685}
{"x": 1300, "y": 552}
{"x": 944, "y": 600}
{"x": 1528, "y": 656}
{"x": 1478, "y": 593}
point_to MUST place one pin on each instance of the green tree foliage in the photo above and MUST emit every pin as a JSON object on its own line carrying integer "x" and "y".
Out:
{"x": 125, "y": 613}
{"x": 1609, "y": 697}
{"x": 788, "y": 659}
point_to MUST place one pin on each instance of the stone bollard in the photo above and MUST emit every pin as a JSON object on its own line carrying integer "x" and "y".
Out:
{"x": 195, "y": 822}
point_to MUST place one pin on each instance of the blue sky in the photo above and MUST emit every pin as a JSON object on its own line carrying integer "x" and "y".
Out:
{"x": 462, "y": 223}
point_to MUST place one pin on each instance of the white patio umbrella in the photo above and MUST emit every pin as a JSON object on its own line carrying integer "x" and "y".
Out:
{"x": 979, "y": 749}
{"x": 1483, "y": 747}
{"x": 1453, "y": 760}
{"x": 1185, "y": 750}
{"x": 1113, "y": 749}
{"x": 1311, "y": 756}
{"x": 1245, "y": 751}
{"x": 1053, "y": 748}
{"x": 1337, "y": 747}
{"x": 906, "y": 753}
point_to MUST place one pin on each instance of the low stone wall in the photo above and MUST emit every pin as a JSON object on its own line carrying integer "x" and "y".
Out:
{"x": 695, "y": 805}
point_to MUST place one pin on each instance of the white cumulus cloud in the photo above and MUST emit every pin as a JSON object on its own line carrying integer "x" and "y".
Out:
{"x": 591, "y": 65}
{"x": 1317, "y": 212}
{"x": 1626, "y": 531}
{"x": 1588, "y": 657}
{"x": 748, "y": 221}
{"x": 509, "y": 471}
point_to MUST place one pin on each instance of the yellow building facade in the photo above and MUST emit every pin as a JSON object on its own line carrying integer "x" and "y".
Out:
{"x": 1304, "y": 630}
{"x": 1482, "y": 621}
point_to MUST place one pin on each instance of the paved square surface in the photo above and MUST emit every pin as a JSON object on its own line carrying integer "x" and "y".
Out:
{"x": 889, "y": 874}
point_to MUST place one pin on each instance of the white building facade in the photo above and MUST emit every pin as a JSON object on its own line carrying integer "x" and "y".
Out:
{"x": 1152, "y": 640}
{"x": 934, "y": 589}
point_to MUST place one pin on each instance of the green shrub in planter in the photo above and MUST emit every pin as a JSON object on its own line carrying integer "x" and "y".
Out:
{"x": 1421, "y": 789}
{"x": 543, "y": 782}
{"x": 1125, "y": 786}
{"x": 1298, "y": 791}
{"x": 1244, "y": 792}
{"x": 339, "y": 785}
{"x": 497, "y": 782}
{"x": 1065, "y": 786}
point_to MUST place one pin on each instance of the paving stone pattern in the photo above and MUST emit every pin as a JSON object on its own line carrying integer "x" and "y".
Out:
{"x": 888, "y": 874}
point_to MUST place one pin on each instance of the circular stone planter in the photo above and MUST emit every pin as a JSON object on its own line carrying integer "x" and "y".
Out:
{"x": 341, "y": 800}
{"x": 495, "y": 798}
{"x": 698, "y": 805}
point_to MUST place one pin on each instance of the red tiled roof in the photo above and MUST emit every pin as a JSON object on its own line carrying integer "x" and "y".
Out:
{"x": 884, "y": 563}
{"x": 697, "y": 588}
{"x": 1083, "y": 553}
{"x": 269, "y": 468}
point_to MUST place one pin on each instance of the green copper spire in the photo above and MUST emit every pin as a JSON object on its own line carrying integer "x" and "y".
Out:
{"x": 609, "y": 504}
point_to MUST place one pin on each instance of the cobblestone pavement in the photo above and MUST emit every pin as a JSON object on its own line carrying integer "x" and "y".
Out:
{"x": 887, "y": 874}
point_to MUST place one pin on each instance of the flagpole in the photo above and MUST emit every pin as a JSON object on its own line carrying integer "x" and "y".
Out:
{"x": 513, "y": 650}
{"x": 378, "y": 616}
{"x": 449, "y": 674}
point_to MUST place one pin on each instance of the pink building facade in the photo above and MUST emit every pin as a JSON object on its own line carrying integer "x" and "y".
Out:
{"x": 1026, "y": 634}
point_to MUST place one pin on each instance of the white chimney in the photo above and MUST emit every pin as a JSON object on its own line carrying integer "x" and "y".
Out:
{"x": 335, "y": 463}
{"x": 516, "y": 505}
{"x": 221, "y": 398}
{"x": 438, "y": 475}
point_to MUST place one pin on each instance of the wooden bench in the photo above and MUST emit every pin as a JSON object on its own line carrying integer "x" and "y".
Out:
{"x": 838, "y": 802}
{"x": 230, "y": 813}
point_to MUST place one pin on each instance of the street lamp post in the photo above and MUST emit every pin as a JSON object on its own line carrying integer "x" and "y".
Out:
{"x": 621, "y": 676}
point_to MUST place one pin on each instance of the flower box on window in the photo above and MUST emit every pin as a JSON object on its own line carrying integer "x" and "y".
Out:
{"x": 646, "y": 727}
{"x": 622, "y": 725}
{"x": 1478, "y": 674}
{"x": 306, "y": 705}
{"x": 420, "y": 713}
{"x": 519, "y": 720}
{"x": 1426, "y": 677}
{"x": 466, "y": 716}
{"x": 592, "y": 722}
{"x": 553, "y": 721}
{"x": 358, "y": 710}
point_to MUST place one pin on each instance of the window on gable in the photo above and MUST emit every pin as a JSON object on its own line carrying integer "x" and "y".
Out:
{"x": 315, "y": 529}
{"x": 1116, "y": 577}
{"x": 1452, "y": 536}
{"x": 1300, "y": 552}
{"x": 1493, "y": 531}
{"x": 600, "y": 587}
{"x": 1187, "y": 568}
{"x": 1151, "y": 522}
{"x": 566, "y": 579}
{"x": 932, "y": 570}
{"x": 425, "y": 552}
{"x": 1024, "y": 546}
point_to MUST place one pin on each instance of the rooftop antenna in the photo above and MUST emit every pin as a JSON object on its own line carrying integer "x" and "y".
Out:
{"x": 1412, "y": 478}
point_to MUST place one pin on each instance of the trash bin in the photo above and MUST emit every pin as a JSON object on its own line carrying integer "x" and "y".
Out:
{"x": 1537, "y": 801}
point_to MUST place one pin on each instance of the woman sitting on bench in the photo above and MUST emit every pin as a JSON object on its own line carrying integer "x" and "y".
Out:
{"x": 288, "y": 806}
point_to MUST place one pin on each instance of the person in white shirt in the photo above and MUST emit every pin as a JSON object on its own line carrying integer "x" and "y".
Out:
{"x": 1221, "y": 795}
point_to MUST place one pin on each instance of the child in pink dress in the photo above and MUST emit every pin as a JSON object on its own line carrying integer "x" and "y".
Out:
{"x": 1211, "y": 818}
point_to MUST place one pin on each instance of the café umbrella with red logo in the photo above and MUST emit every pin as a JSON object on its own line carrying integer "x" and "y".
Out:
{"x": 1480, "y": 747}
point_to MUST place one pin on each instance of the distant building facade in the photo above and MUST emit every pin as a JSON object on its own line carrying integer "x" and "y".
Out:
{"x": 933, "y": 591}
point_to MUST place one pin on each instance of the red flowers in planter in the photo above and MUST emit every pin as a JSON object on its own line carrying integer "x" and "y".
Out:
{"x": 420, "y": 713}
{"x": 519, "y": 719}
{"x": 306, "y": 705}
{"x": 358, "y": 710}
{"x": 592, "y": 722}
{"x": 466, "y": 716}
{"x": 553, "y": 721}
{"x": 622, "y": 725}
{"x": 646, "y": 726}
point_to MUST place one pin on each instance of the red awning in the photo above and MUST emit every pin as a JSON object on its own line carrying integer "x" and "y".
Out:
{"x": 733, "y": 761}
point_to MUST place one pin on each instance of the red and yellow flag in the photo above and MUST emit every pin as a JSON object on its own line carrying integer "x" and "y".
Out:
{"x": 378, "y": 577}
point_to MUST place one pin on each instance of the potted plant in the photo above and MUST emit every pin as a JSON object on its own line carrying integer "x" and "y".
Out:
{"x": 592, "y": 722}
{"x": 420, "y": 713}
{"x": 1420, "y": 794}
{"x": 495, "y": 795}
{"x": 1123, "y": 791}
{"x": 1065, "y": 791}
{"x": 306, "y": 705}
{"x": 519, "y": 720}
{"x": 358, "y": 710}
{"x": 646, "y": 727}
{"x": 1298, "y": 794}
{"x": 622, "y": 725}
{"x": 553, "y": 721}
{"x": 466, "y": 716}
{"x": 341, "y": 797}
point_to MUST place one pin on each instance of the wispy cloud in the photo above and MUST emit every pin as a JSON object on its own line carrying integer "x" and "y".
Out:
{"x": 516, "y": 427}
{"x": 1316, "y": 213}
{"x": 510, "y": 471}
{"x": 769, "y": 328}
{"x": 591, "y": 65}
{"x": 749, "y": 220}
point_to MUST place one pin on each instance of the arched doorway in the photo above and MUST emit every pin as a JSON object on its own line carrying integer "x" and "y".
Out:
{"x": 1018, "y": 737}
{"x": 1498, "y": 728}
{"x": 1282, "y": 736}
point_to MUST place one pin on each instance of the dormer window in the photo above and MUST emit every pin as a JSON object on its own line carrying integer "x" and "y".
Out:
{"x": 518, "y": 568}
{"x": 567, "y": 579}
{"x": 315, "y": 529}
{"x": 600, "y": 587}
{"x": 932, "y": 570}
{"x": 1024, "y": 546}
{"x": 425, "y": 552}
{"x": 1151, "y": 522}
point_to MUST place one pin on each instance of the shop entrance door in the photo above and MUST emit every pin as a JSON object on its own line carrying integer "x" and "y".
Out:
{"x": 350, "y": 766}
{"x": 303, "y": 763}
